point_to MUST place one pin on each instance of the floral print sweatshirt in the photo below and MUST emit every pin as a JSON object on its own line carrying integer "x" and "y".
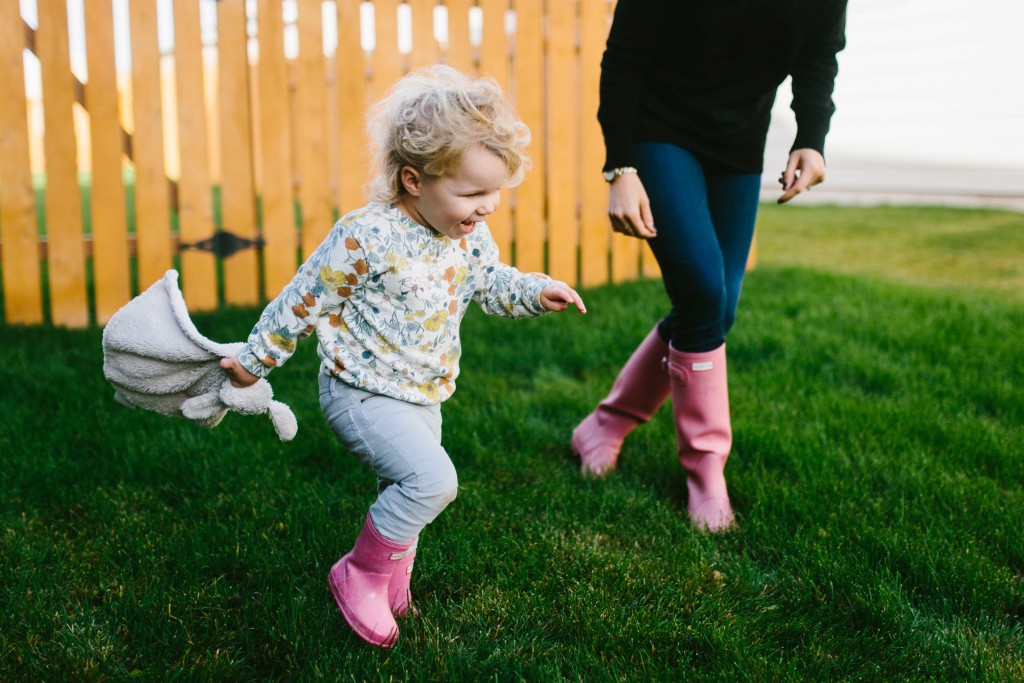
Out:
{"x": 385, "y": 297}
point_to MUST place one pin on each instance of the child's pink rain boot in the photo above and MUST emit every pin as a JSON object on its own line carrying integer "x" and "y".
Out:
{"x": 640, "y": 389}
{"x": 399, "y": 593}
{"x": 359, "y": 582}
{"x": 700, "y": 400}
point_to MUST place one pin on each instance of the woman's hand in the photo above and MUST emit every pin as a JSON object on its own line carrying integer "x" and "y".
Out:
{"x": 805, "y": 169}
{"x": 239, "y": 376}
{"x": 629, "y": 208}
{"x": 557, "y": 296}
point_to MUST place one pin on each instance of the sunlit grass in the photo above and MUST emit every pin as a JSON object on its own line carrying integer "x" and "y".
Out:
{"x": 950, "y": 248}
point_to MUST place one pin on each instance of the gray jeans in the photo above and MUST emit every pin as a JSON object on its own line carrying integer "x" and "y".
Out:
{"x": 401, "y": 442}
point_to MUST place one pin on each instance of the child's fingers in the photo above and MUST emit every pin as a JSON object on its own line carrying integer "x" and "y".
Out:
{"x": 571, "y": 296}
{"x": 557, "y": 296}
{"x": 576, "y": 299}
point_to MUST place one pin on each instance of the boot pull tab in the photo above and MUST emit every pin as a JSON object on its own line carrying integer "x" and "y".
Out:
{"x": 675, "y": 372}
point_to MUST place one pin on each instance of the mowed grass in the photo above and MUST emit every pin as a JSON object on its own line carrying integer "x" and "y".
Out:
{"x": 876, "y": 472}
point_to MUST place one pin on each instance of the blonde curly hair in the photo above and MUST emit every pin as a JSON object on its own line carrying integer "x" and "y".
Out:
{"x": 430, "y": 117}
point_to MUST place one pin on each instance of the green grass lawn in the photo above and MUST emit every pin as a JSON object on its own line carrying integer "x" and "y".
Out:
{"x": 877, "y": 386}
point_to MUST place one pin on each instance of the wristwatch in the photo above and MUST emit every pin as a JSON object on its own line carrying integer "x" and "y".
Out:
{"x": 614, "y": 173}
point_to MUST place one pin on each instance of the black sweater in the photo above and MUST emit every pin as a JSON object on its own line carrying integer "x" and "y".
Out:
{"x": 703, "y": 75}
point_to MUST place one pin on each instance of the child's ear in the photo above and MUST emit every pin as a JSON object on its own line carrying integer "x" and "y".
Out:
{"x": 411, "y": 180}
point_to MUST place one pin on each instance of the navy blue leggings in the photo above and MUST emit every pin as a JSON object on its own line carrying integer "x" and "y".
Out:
{"x": 705, "y": 223}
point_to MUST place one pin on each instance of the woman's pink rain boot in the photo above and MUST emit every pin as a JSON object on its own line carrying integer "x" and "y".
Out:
{"x": 399, "y": 593}
{"x": 700, "y": 400}
{"x": 640, "y": 389}
{"x": 359, "y": 582}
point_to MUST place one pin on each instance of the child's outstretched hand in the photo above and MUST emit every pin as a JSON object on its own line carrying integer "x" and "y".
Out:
{"x": 239, "y": 376}
{"x": 557, "y": 296}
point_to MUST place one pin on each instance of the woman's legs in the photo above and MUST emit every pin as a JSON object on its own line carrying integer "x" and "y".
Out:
{"x": 705, "y": 224}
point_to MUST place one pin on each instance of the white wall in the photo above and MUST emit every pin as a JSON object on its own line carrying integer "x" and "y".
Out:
{"x": 927, "y": 82}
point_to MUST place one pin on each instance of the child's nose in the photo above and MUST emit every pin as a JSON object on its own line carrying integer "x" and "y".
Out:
{"x": 491, "y": 204}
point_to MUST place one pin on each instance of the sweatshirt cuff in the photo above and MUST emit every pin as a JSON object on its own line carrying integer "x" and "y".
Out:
{"x": 618, "y": 152}
{"x": 252, "y": 363}
{"x": 532, "y": 298}
{"x": 810, "y": 137}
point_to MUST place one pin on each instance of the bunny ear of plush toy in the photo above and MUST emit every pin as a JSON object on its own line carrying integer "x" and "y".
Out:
{"x": 156, "y": 359}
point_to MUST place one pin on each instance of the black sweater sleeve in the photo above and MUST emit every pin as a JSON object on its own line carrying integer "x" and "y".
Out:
{"x": 626, "y": 56}
{"x": 814, "y": 75}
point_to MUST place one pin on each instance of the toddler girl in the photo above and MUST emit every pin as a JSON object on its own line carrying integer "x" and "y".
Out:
{"x": 385, "y": 293}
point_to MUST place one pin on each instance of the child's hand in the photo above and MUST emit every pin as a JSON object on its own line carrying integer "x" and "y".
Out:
{"x": 239, "y": 376}
{"x": 557, "y": 296}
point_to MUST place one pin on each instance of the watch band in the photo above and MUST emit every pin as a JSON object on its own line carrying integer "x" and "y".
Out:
{"x": 614, "y": 173}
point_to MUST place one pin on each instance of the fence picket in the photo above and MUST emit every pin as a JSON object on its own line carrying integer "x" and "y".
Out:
{"x": 152, "y": 197}
{"x": 238, "y": 207}
{"x": 108, "y": 220}
{"x": 528, "y": 75}
{"x": 648, "y": 264}
{"x": 195, "y": 203}
{"x": 350, "y": 92}
{"x": 311, "y": 142}
{"x": 388, "y": 62}
{"x": 280, "y": 243}
{"x": 494, "y": 63}
{"x": 459, "y": 50}
{"x": 424, "y": 45}
{"x": 594, "y": 225}
{"x": 23, "y": 299}
{"x": 64, "y": 229}
{"x": 563, "y": 147}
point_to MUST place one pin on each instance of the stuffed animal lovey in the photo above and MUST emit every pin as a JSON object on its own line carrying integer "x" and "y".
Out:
{"x": 156, "y": 359}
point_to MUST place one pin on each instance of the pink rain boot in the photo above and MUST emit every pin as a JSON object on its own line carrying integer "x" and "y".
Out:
{"x": 640, "y": 389}
{"x": 399, "y": 594}
{"x": 700, "y": 399}
{"x": 359, "y": 583}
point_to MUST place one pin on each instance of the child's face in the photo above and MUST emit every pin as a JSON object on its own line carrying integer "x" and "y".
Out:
{"x": 453, "y": 204}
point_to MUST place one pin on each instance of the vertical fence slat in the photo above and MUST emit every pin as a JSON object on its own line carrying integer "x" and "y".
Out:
{"x": 459, "y": 51}
{"x": 424, "y": 45}
{"x": 314, "y": 181}
{"x": 23, "y": 300}
{"x": 65, "y": 239}
{"x": 562, "y": 126}
{"x": 494, "y": 62}
{"x": 387, "y": 60}
{"x": 648, "y": 264}
{"x": 280, "y": 242}
{"x": 195, "y": 203}
{"x": 594, "y": 224}
{"x": 238, "y": 204}
{"x": 350, "y": 79}
{"x": 152, "y": 200}
{"x": 625, "y": 257}
{"x": 109, "y": 218}
{"x": 529, "y": 79}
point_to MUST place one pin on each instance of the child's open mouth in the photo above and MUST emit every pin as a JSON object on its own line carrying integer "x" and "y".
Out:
{"x": 469, "y": 223}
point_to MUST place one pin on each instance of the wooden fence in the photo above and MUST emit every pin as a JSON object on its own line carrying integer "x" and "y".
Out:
{"x": 265, "y": 122}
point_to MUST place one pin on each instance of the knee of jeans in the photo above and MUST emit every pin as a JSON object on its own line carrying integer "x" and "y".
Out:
{"x": 442, "y": 484}
{"x": 695, "y": 289}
